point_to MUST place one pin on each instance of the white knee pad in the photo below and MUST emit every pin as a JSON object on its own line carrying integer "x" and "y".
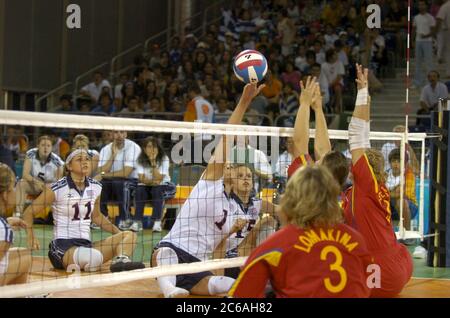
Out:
{"x": 89, "y": 259}
{"x": 166, "y": 256}
{"x": 219, "y": 284}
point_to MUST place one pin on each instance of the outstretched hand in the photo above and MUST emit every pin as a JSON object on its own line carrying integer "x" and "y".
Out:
{"x": 16, "y": 223}
{"x": 317, "y": 98}
{"x": 238, "y": 225}
{"x": 306, "y": 96}
{"x": 362, "y": 76}
{"x": 251, "y": 91}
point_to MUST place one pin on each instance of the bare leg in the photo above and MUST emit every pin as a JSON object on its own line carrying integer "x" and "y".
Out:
{"x": 22, "y": 189}
{"x": 19, "y": 266}
{"x": 122, "y": 243}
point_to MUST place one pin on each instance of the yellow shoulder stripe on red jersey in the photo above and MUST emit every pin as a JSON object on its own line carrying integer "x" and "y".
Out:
{"x": 272, "y": 257}
{"x": 372, "y": 173}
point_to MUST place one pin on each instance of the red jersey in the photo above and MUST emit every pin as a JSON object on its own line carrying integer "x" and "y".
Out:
{"x": 369, "y": 209}
{"x": 298, "y": 162}
{"x": 318, "y": 262}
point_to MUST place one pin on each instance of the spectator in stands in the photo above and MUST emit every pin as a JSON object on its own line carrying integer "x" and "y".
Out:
{"x": 60, "y": 146}
{"x": 310, "y": 61}
{"x": 105, "y": 139}
{"x": 272, "y": 92}
{"x": 264, "y": 41}
{"x": 94, "y": 89}
{"x": 423, "y": 25}
{"x": 173, "y": 92}
{"x": 334, "y": 71}
{"x": 300, "y": 59}
{"x": 331, "y": 13}
{"x": 6, "y": 156}
{"x": 284, "y": 160}
{"x": 288, "y": 104}
{"x": 389, "y": 146}
{"x": 410, "y": 206}
{"x": 133, "y": 106}
{"x": 310, "y": 12}
{"x": 320, "y": 54}
{"x": 140, "y": 83}
{"x": 41, "y": 168}
{"x": 378, "y": 52}
{"x": 123, "y": 79}
{"x": 127, "y": 93}
{"x": 342, "y": 55}
{"x": 106, "y": 105}
{"x": 65, "y": 104}
{"x": 82, "y": 141}
{"x": 443, "y": 29}
{"x": 154, "y": 183}
{"x": 222, "y": 110}
{"x": 291, "y": 76}
{"x": 395, "y": 26}
{"x": 432, "y": 92}
{"x": 118, "y": 175}
{"x": 154, "y": 105}
{"x": 286, "y": 30}
{"x": 330, "y": 37}
{"x": 16, "y": 141}
{"x": 198, "y": 109}
{"x": 316, "y": 71}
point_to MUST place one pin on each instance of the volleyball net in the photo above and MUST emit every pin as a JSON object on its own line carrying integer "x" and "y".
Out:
{"x": 188, "y": 146}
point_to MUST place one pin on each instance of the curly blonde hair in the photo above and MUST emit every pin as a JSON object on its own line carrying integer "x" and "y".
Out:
{"x": 376, "y": 160}
{"x": 6, "y": 177}
{"x": 311, "y": 198}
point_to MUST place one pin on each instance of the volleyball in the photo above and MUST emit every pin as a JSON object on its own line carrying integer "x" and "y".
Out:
{"x": 250, "y": 66}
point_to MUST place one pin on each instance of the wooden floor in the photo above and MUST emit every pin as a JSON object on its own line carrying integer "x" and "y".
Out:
{"x": 148, "y": 288}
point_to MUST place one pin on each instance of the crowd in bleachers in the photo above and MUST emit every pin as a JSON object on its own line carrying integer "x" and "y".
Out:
{"x": 299, "y": 38}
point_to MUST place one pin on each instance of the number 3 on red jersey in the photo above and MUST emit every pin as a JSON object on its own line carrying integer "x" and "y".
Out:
{"x": 336, "y": 266}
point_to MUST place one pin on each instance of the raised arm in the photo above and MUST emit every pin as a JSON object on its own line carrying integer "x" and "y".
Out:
{"x": 301, "y": 127}
{"x": 359, "y": 127}
{"x": 322, "y": 143}
{"x": 214, "y": 170}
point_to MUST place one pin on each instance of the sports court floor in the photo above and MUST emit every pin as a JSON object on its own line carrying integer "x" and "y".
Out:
{"x": 427, "y": 282}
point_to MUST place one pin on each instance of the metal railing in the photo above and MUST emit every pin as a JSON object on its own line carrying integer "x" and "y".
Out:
{"x": 37, "y": 101}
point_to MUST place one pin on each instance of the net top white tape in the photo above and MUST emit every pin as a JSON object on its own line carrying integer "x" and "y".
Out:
{"x": 70, "y": 121}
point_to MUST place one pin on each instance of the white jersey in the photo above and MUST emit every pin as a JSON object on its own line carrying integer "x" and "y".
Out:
{"x": 204, "y": 220}
{"x": 48, "y": 171}
{"x": 251, "y": 214}
{"x": 163, "y": 169}
{"x": 6, "y": 235}
{"x": 126, "y": 157}
{"x": 72, "y": 210}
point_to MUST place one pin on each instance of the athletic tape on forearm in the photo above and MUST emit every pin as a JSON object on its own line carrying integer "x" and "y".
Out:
{"x": 362, "y": 98}
{"x": 358, "y": 133}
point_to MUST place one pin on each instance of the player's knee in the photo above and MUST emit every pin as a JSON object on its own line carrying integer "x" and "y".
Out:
{"x": 88, "y": 259}
{"x": 166, "y": 256}
{"x": 219, "y": 284}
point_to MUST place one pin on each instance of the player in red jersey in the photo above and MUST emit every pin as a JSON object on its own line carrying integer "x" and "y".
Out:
{"x": 314, "y": 254}
{"x": 370, "y": 200}
{"x": 334, "y": 160}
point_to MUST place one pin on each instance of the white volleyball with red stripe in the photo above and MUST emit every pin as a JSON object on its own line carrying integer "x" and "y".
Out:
{"x": 250, "y": 66}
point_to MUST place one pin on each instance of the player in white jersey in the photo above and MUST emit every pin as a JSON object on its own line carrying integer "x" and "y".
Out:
{"x": 75, "y": 200}
{"x": 203, "y": 221}
{"x": 15, "y": 263}
{"x": 82, "y": 141}
{"x": 249, "y": 227}
{"x": 41, "y": 167}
